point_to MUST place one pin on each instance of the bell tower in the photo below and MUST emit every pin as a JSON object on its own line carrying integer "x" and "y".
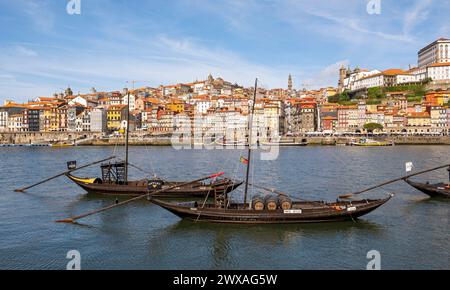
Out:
{"x": 342, "y": 75}
{"x": 290, "y": 83}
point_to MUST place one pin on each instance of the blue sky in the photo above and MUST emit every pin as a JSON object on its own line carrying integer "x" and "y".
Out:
{"x": 43, "y": 48}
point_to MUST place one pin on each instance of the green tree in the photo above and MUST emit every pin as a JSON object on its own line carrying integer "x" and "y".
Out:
{"x": 427, "y": 80}
{"x": 339, "y": 98}
{"x": 375, "y": 93}
{"x": 370, "y": 127}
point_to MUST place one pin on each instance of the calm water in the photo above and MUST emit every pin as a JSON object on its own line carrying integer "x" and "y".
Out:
{"x": 411, "y": 231}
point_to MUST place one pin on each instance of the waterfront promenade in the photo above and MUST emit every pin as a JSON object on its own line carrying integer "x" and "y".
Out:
{"x": 98, "y": 139}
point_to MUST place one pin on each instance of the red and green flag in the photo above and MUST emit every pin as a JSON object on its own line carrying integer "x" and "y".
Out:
{"x": 244, "y": 161}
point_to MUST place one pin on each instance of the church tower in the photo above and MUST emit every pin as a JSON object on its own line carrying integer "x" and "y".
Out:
{"x": 342, "y": 75}
{"x": 290, "y": 83}
{"x": 210, "y": 79}
{"x": 68, "y": 92}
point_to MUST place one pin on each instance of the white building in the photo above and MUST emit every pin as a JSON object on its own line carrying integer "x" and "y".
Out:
{"x": 98, "y": 120}
{"x": 202, "y": 106}
{"x": 15, "y": 123}
{"x": 438, "y": 117}
{"x": 132, "y": 101}
{"x": 390, "y": 77}
{"x": 349, "y": 82}
{"x": 439, "y": 71}
{"x": 5, "y": 113}
{"x": 199, "y": 88}
{"x": 79, "y": 100}
{"x": 418, "y": 73}
{"x": 436, "y": 52}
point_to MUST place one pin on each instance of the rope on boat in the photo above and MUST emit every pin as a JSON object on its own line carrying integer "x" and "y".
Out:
{"x": 140, "y": 169}
{"x": 392, "y": 181}
{"x": 74, "y": 218}
{"x": 63, "y": 173}
{"x": 152, "y": 169}
{"x": 233, "y": 176}
{"x": 209, "y": 191}
{"x": 273, "y": 190}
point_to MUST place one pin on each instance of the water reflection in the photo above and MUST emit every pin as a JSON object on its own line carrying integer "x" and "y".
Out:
{"x": 224, "y": 242}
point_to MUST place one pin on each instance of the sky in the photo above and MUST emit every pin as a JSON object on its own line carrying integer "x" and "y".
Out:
{"x": 44, "y": 49}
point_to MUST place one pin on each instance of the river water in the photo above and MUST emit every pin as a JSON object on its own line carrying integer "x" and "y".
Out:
{"x": 410, "y": 232}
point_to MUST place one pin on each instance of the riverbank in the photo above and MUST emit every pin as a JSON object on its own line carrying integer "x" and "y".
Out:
{"x": 138, "y": 139}
{"x": 312, "y": 141}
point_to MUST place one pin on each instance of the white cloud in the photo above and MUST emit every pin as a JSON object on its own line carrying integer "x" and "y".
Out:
{"x": 417, "y": 14}
{"x": 162, "y": 60}
{"x": 353, "y": 25}
{"x": 39, "y": 12}
{"x": 347, "y": 21}
{"x": 26, "y": 51}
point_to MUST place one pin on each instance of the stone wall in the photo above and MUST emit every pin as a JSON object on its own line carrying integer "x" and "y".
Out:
{"x": 90, "y": 138}
{"x": 398, "y": 140}
{"x": 45, "y": 137}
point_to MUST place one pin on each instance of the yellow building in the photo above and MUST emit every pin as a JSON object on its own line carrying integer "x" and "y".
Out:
{"x": 372, "y": 108}
{"x": 273, "y": 118}
{"x": 115, "y": 115}
{"x": 418, "y": 122}
{"x": 437, "y": 98}
{"x": 45, "y": 121}
{"x": 330, "y": 91}
{"x": 176, "y": 107}
{"x": 420, "y": 119}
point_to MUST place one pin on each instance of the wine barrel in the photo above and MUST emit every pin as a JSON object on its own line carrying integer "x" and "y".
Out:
{"x": 284, "y": 202}
{"x": 258, "y": 203}
{"x": 271, "y": 202}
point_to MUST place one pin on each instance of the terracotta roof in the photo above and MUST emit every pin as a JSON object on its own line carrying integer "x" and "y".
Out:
{"x": 418, "y": 115}
{"x": 393, "y": 72}
{"x": 153, "y": 100}
{"x": 439, "y": 64}
{"x": 117, "y": 106}
{"x": 347, "y": 107}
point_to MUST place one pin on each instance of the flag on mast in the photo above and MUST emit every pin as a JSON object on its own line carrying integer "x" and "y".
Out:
{"x": 409, "y": 166}
{"x": 244, "y": 161}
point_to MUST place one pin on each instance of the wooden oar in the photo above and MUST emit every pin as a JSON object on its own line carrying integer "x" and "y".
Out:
{"x": 269, "y": 189}
{"x": 63, "y": 173}
{"x": 74, "y": 218}
{"x": 392, "y": 181}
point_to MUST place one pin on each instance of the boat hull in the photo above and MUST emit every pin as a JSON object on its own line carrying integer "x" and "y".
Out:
{"x": 372, "y": 145}
{"x": 304, "y": 213}
{"x": 286, "y": 144}
{"x": 136, "y": 188}
{"x": 434, "y": 190}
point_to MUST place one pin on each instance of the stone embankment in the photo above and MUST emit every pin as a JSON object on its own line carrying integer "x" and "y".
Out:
{"x": 98, "y": 139}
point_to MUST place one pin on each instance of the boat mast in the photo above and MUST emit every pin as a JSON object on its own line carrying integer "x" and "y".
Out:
{"x": 127, "y": 136}
{"x": 249, "y": 154}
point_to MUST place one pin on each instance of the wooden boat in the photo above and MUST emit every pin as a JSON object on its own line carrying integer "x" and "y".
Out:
{"x": 61, "y": 145}
{"x": 147, "y": 186}
{"x": 262, "y": 210}
{"x": 301, "y": 212}
{"x": 369, "y": 142}
{"x": 24, "y": 145}
{"x": 303, "y": 142}
{"x": 434, "y": 190}
{"x": 272, "y": 209}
